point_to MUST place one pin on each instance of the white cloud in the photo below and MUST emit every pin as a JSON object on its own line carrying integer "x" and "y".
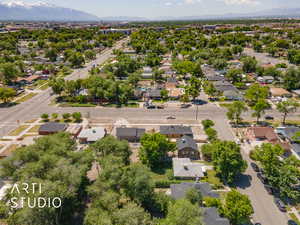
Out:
{"x": 241, "y": 2}
{"x": 189, "y": 2}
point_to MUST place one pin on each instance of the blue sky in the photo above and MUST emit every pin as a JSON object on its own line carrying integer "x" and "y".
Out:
{"x": 157, "y": 8}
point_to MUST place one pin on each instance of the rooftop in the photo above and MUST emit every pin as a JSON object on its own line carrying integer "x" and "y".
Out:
{"x": 183, "y": 167}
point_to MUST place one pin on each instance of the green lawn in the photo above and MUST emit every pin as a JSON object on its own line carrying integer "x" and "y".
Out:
{"x": 292, "y": 215}
{"x": 34, "y": 129}
{"x": 18, "y": 131}
{"x": 26, "y": 97}
{"x": 77, "y": 105}
{"x": 213, "y": 179}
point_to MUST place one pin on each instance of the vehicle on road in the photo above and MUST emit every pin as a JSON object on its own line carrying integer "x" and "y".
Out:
{"x": 280, "y": 204}
{"x": 269, "y": 117}
{"x": 292, "y": 222}
{"x": 255, "y": 167}
{"x": 262, "y": 178}
{"x": 269, "y": 189}
{"x": 199, "y": 102}
{"x": 171, "y": 118}
{"x": 257, "y": 224}
{"x": 185, "y": 106}
{"x": 151, "y": 107}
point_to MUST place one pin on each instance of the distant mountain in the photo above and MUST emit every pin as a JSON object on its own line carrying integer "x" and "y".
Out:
{"x": 123, "y": 18}
{"x": 41, "y": 11}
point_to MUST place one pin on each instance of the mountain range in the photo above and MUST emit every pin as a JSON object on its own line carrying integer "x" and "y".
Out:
{"x": 41, "y": 11}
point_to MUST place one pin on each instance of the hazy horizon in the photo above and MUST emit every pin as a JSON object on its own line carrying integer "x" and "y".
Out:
{"x": 168, "y": 8}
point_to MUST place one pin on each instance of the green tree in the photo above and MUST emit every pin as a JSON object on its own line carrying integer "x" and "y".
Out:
{"x": 234, "y": 75}
{"x": 66, "y": 116}
{"x": 256, "y": 92}
{"x": 109, "y": 145}
{"x": 291, "y": 79}
{"x": 207, "y": 123}
{"x": 90, "y": 55}
{"x": 45, "y": 116}
{"x": 57, "y": 85}
{"x": 259, "y": 109}
{"x": 164, "y": 94}
{"x": 54, "y": 116}
{"x": 6, "y": 94}
{"x": 235, "y": 111}
{"x": 183, "y": 212}
{"x": 77, "y": 116}
{"x": 194, "y": 196}
{"x": 286, "y": 107}
{"x": 8, "y": 72}
{"x": 154, "y": 147}
{"x": 227, "y": 160}
{"x": 237, "y": 208}
{"x": 211, "y": 133}
{"x": 249, "y": 64}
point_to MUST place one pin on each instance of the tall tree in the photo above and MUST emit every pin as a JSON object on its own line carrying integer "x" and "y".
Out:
{"x": 259, "y": 109}
{"x": 286, "y": 107}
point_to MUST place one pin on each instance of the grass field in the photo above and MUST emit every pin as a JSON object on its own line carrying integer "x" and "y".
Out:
{"x": 34, "y": 129}
{"x": 26, "y": 97}
{"x": 19, "y": 130}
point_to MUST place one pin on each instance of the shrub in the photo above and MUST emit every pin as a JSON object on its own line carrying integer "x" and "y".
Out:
{"x": 45, "y": 116}
{"x": 207, "y": 123}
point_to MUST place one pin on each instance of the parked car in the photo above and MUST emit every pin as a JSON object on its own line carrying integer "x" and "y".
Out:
{"x": 269, "y": 189}
{"x": 199, "y": 102}
{"x": 269, "y": 117}
{"x": 262, "y": 178}
{"x": 292, "y": 222}
{"x": 171, "y": 118}
{"x": 280, "y": 204}
{"x": 257, "y": 224}
{"x": 184, "y": 106}
{"x": 151, "y": 107}
{"x": 255, "y": 167}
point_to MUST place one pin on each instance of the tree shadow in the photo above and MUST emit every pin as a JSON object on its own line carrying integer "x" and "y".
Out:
{"x": 8, "y": 105}
{"x": 243, "y": 181}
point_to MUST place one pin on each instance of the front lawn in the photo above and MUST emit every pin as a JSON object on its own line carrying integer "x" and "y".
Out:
{"x": 34, "y": 129}
{"x": 26, "y": 97}
{"x": 212, "y": 178}
{"x": 18, "y": 131}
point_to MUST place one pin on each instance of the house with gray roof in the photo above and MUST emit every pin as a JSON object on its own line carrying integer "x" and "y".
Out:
{"x": 179, "y": 190}
{"x": 176, "y": 131}
{"x": 211, "y": 216}
{"x": 288, "y": 133}
{"x": 224, "y": 86}
{"x": 52, "y": 128}
{"x": 130, "y": 134}
{"x": 183, "y": 168}
{"x": 187, "y": 148}
{"x": 232, "y": 95}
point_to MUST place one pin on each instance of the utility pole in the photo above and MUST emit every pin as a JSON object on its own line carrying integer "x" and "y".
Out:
{"x": 197, "y": 112}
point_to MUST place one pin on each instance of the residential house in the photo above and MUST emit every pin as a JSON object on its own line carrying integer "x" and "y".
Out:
{"x": 262, "y": 134}
{"x": 266, "y": 79}
{"x": 179, "y": 191}
{"x": 176, "y": 131}
{"x": 187, "y": 148}
{"x": 211, "y": 216}
{"x": 175, "y": 93}
{"x": 215, "y": 78}
{"x": 279, "y": 92}
{"x": 147, "y": 72}
{"x": 153, "y": 94}
{"x": 74, "y": 130}
{"x": 224, "y": 86}
{"x": 91, "y": 135}
{"x": 232, "y": 95}
{"x": 52, "y": 128}
{"x": 183, "y": 168}
{"x": 288, "y": 134}
{"x": 130, "y": 134}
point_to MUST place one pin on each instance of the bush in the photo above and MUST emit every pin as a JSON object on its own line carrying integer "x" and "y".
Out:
{"x": 54, "y": 116}
{"x": 66, "y": 116}
{"x": 45, "y": 116}
{"x": 77, "y": 116}
{"x": 165, "y": 183}
{"x": 207, "y": 123}
{"x": 212, "y": 134}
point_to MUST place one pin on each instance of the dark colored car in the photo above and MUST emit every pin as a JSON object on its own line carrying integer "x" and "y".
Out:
{"x": 255, "y": 167}
{"x": 151, "y": 107}
{"x": 269, "y": 189}
{"x": 280, "y": 204}
{"x": 292, "y": 222}
{"x": 184, "y": 106}
{"x": 262, "y": 178}
{"x": 257, "y": 224}
{"x": 269, "y": 118}
{"x": 199, "y": 102}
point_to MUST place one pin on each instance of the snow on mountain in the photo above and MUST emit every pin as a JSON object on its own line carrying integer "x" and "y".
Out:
{"x": 19, "y": 10}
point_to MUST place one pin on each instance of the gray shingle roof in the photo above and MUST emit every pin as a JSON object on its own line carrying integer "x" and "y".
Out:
{"x": 176, "y": 129}
{"x": 179, "y": 190}
{"x": 184, "y": 168}
{"x": 186, "y": 142}
{"x": 212, "y": 217}
{"x": 52, "y": 127}
{"x": 130, "y": 132}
